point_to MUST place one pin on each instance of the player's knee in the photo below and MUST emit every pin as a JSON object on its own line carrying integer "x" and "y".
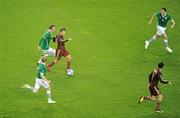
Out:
{"x": 160, "y": 98}
{"x": 152, "y": 98}
{"x": 157, "y": 36}
{"x": 165, "y": 35}
{"x": 48, "y": 88}
{"x": 69, "y": 58}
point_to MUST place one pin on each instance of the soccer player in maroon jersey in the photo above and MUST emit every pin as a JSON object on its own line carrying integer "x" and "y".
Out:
{"x": 61, "y": 51}
{"x": 154, "y": 78}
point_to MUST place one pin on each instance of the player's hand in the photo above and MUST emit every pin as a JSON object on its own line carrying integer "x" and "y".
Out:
{"x": 172, "y": 26}
{"x": 69, "y": 39}
{"x": 170, "y": 83}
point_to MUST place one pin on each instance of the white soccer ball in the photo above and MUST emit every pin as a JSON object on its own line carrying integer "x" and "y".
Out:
{"x": 70, "y": 72}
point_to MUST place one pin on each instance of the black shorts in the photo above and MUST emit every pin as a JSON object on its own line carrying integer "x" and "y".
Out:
{"x": 154, "y": 90}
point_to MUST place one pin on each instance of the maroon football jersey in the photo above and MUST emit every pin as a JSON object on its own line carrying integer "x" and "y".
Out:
{"x": 154, "y": 78}
{"x": 60, "y": 41}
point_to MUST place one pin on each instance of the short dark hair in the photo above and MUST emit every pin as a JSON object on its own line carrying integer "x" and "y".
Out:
{"x": 164, "y": 9}
{"x": 62, "y": 29}
{"x": 51, "y": 26}
{"x": 160, "y": 65}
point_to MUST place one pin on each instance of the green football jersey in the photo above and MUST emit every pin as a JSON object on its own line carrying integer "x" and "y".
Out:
{"x": 163, "y": 20}
{"x": 41, "y": 69}
{"x": 45, "y": 40}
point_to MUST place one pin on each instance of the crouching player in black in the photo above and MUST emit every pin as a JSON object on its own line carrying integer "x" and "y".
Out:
{"x": 154, "y": 78}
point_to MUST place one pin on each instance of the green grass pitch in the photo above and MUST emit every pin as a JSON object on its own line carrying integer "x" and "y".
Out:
{"x": 110, "y": 64}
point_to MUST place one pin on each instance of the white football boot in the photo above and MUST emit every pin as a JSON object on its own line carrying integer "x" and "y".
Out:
{"x": 146, "y": 44}
{"x": 25, "y": 86}
{"x": 51, "y": 101}
{"x": 169, "y": 49}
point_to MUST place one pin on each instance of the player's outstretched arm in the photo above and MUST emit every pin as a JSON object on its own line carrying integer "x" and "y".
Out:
{"x": 173, "y": 23}
{"x": 163, "y": 81}
{"x": 69, "y": 39}
{"x": 150, "y": 21}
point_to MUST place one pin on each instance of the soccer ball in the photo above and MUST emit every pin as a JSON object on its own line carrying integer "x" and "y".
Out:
{"x": 70, "y": 72}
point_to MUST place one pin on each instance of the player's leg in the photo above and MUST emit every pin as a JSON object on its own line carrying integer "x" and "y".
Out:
{"x": 153, "y": 93}
{"x": 69, "y": 61}
{"x": 166, "y": 42}
{"x": 156, "y": 36}
{"x": 158, "y": 104}
{"x": 148, "y": 42}
{"x": 46, "y": 85}
{"x": 150, "y": 98}
{"x": 28, "y": 87}
{"x": 55, "y": 61}
{"x": 31, "y": 88}
{"x": 51, "y": 52}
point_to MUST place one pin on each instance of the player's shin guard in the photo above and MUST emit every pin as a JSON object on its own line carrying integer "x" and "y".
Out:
{"x": 49, "y": 94}
{"x": 147, "y": 97}
{"x": 166, "y": 42}
{"x": 158, "y": 106}
{"x": 68, "y": 65}
{"x": 152, "y": 39}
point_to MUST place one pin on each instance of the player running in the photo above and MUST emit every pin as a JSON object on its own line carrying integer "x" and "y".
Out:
{"x": 61, "y": 51}
{"x": 41, "y": 80}
{"x": 163, "y": 17}
{"x": 45, "y": 41}
{"x": 154, "y": 78}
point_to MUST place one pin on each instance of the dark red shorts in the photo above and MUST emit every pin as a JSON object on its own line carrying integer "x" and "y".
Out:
{"x": 154, "y": 91}
{"x": 63, "y": 52}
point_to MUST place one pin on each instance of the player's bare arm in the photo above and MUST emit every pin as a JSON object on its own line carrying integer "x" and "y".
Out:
{"x": 163, "y": 81}
{"x": 173, "y": 23}
{"x": 150, "y": 21}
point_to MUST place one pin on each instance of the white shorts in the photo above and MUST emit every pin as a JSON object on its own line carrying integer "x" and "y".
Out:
{"x": 41, "y": 82}
{"x": 50, "y": 52}
{"x": 160, "y": 30}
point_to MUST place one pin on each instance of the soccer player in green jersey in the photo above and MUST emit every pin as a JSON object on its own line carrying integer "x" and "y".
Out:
{"x": 163, "y": 17}
{"x": 45, "y": 42}
{"x": 41, "y": 80}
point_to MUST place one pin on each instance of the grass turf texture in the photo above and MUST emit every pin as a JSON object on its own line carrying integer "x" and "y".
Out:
{"x": 109, "y": 60}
